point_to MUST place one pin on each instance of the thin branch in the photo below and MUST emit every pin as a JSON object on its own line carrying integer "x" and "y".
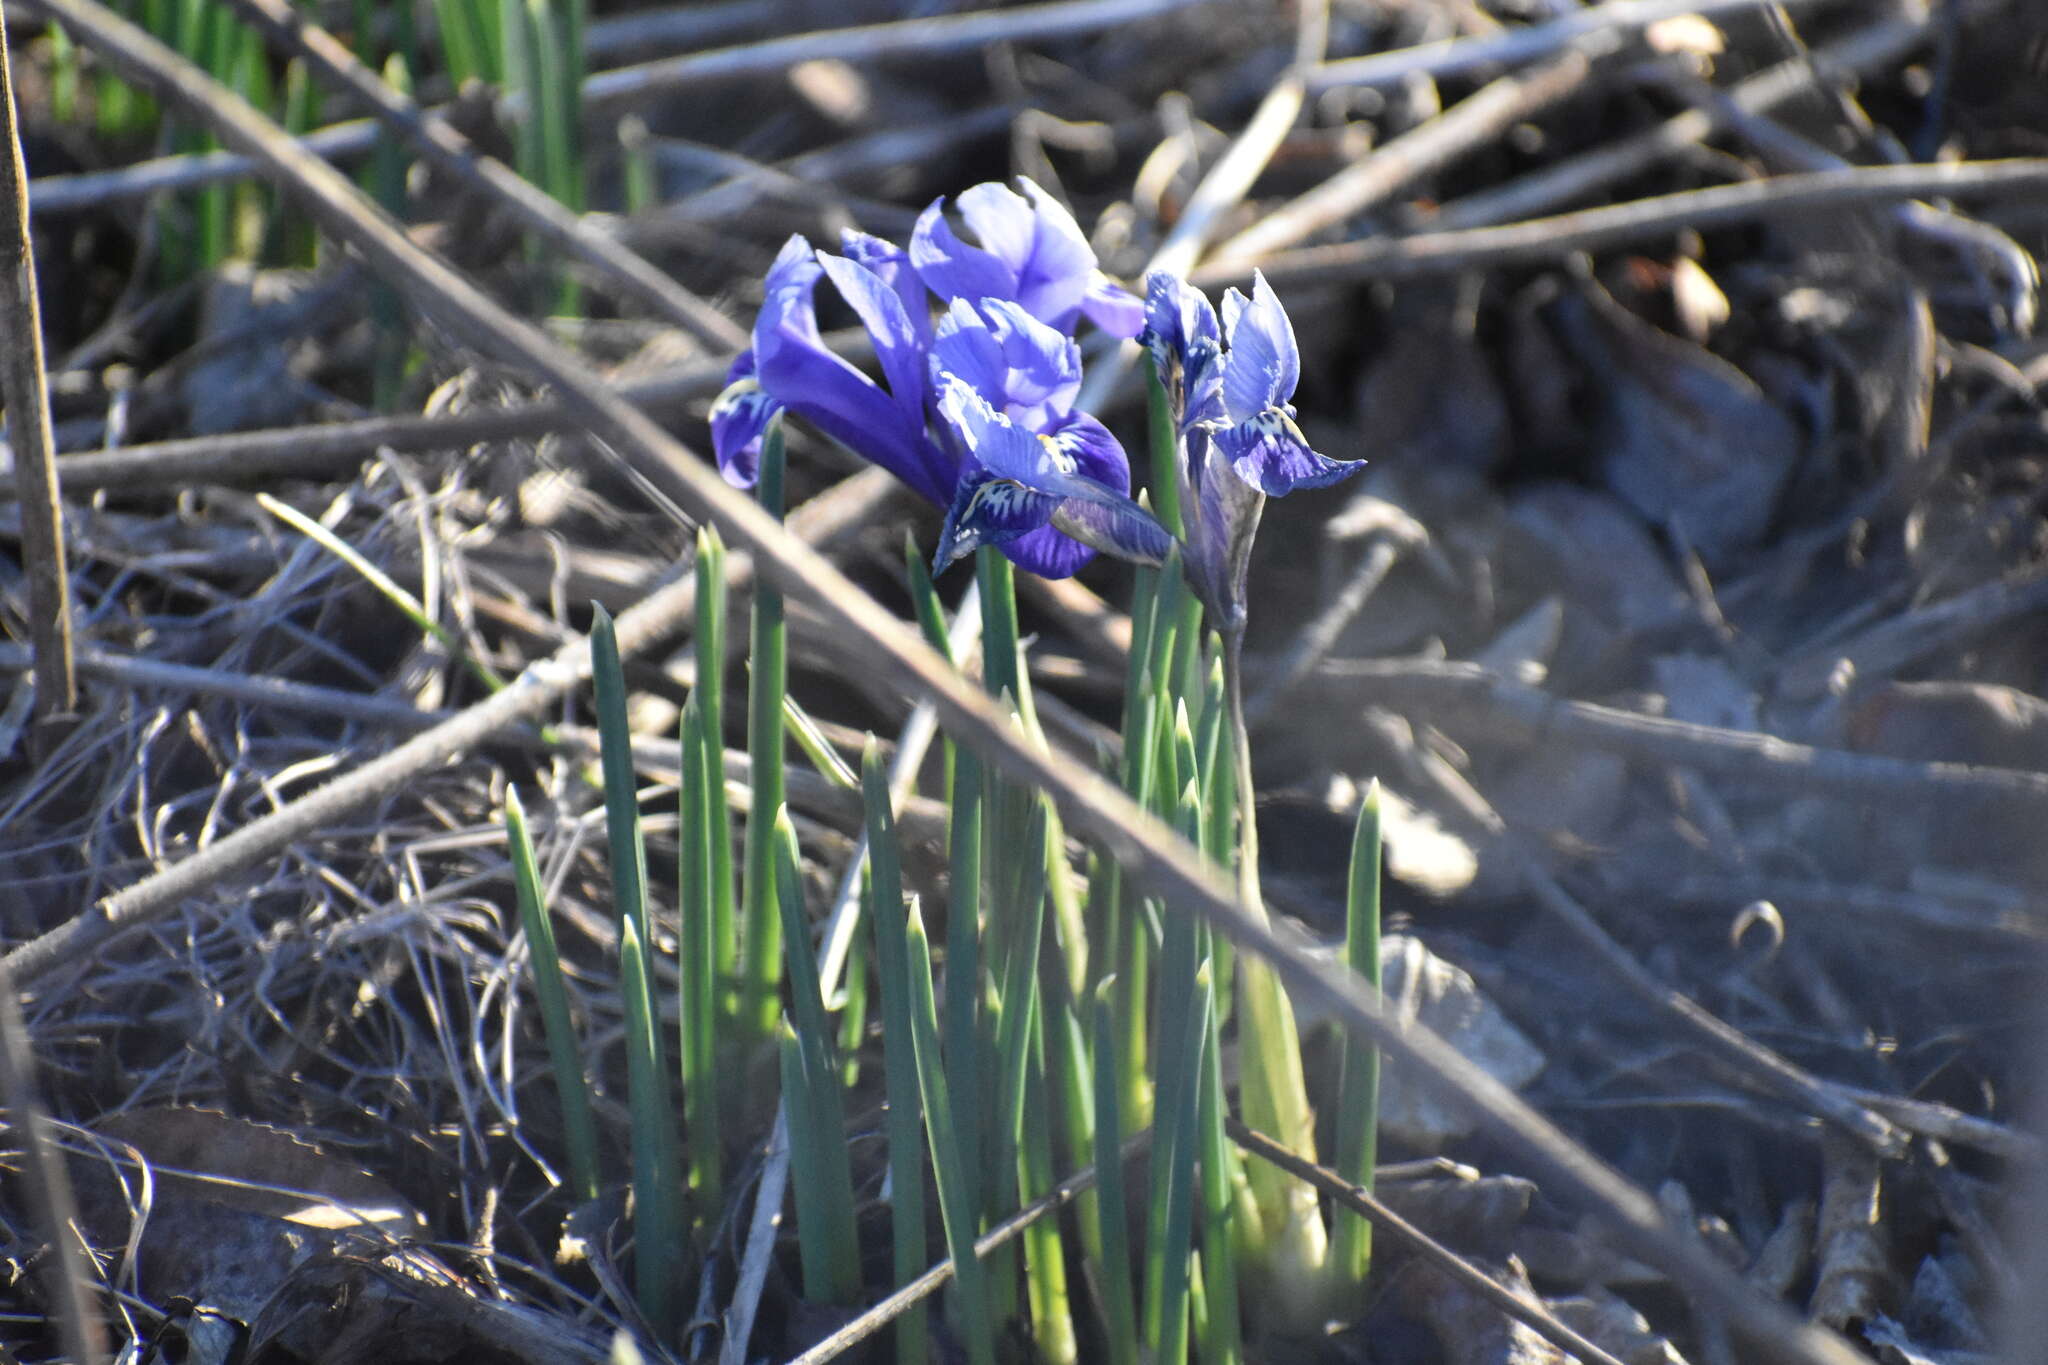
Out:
{"x": 254, "y": 689}
{"x": 29, "y": 432}
{"x": 1471, "y": 123}
{"x": 1484, "y": 704}
{"x": 624, "y": 85}
{"x": 905, "y": 37}
{"x": 1309, "y": 648}
{"x": 84, "y": 191}
{"x": 1719, "y": 206}
{"x": 1501, "y": 709}
{"x": 869, "y": 637}
{"x": 1876, "y": 47}
{"x": 1511, "y": 45}
{"x": 1364, "y": 1203}
{"x": 247, "y": 456}
{"x": 1781, "y": 149}
{"x": 683, "y": 27}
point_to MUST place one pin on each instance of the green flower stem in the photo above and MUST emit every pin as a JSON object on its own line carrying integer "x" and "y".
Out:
{"x": 463, "y": 42}
{"x": 761, "y": 946}
{"x": 998, "y": 582}
{"x": 579, "y": 1130}
{"x": 1219, "y": 809}
{"x": 621, "y": 798}
{"x": 853, "y": 1008}
{"x": 545, "y": 63}
{"x": 1045, "y": 1260}
{"x": 1120, "y": 1320}
{"x": 710, "y": 696}
{"x": 1014, "y": 1026}
{"x": 1170, "y": 1344}
{"x": 1181, "y": 972}
{"x": 698, "y": 965}
{"x": 657, "y": 1199}
{"x": 297, "y": 243}
{"x": 1222, "y": 1341}
{"x": 639, "y": 182}
{"x": 1359, "y": 1062}
{"x": 824, "y": 758}
{"x": 888, "y": 923}
{"x": 830, "y": 1246}
{"x": 807, "y": 1141}
{"x": 1292, "y": 1238}
{"x": 657, "y": 1196}
{"x": 949, "y": 1168}
{"x": 961, "y": 1022}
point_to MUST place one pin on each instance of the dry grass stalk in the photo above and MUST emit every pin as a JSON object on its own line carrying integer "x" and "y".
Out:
{"x": 28, "y": 427}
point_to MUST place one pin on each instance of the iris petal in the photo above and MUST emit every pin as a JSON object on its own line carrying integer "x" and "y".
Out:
{"x": 1261, "y": 364}
{"x": 1053, "y": 282}
{"x": 1220, "y": 532}
{"x": 1270, "y": 453}
{"x": 892, "y": 263}
{"x": 795, "y": 368}
{"x": 1043, "y": 364}
{"x": 990, "y": 510}
{"x": 1181, "y": 333}
{"x": 1121, "y": 528}
{"x": 1094, "y": 453}
{"x": 952, "y": 269}
{"x": 1031, "y": 253}
{"x": 1006, "y": 449}
{"x": 1113, "y": 308}
{"x": 1049, "y": 553}
{"x": 880, "y": 310}
{"x": 739, "y": 418}
{"x": 1021, "y": 365}
{"x": 1176, "y": 313}
{"x": 1002, "y": 222}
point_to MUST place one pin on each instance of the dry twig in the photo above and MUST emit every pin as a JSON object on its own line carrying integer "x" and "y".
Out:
{"x": 1374, "y": 178}
{"x": 1509, "y": 45}
{"x": 1498, "y": 708}
{"x": 1719, "y": 206}
{"x": 28, "y": 426}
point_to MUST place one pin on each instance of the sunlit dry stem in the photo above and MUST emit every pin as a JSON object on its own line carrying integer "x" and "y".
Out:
{"x": 28, "y": 425}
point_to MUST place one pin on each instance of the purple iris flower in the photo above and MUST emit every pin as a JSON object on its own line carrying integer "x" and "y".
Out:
{"x": 1032, "y": 253}
{"x": 790, "y": 367}
{"x": 1230, "y": 392}
{"x": 1014, "y": 301}
{"x": 1002, "y": 346}
{"x": 1229, "y": 388}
